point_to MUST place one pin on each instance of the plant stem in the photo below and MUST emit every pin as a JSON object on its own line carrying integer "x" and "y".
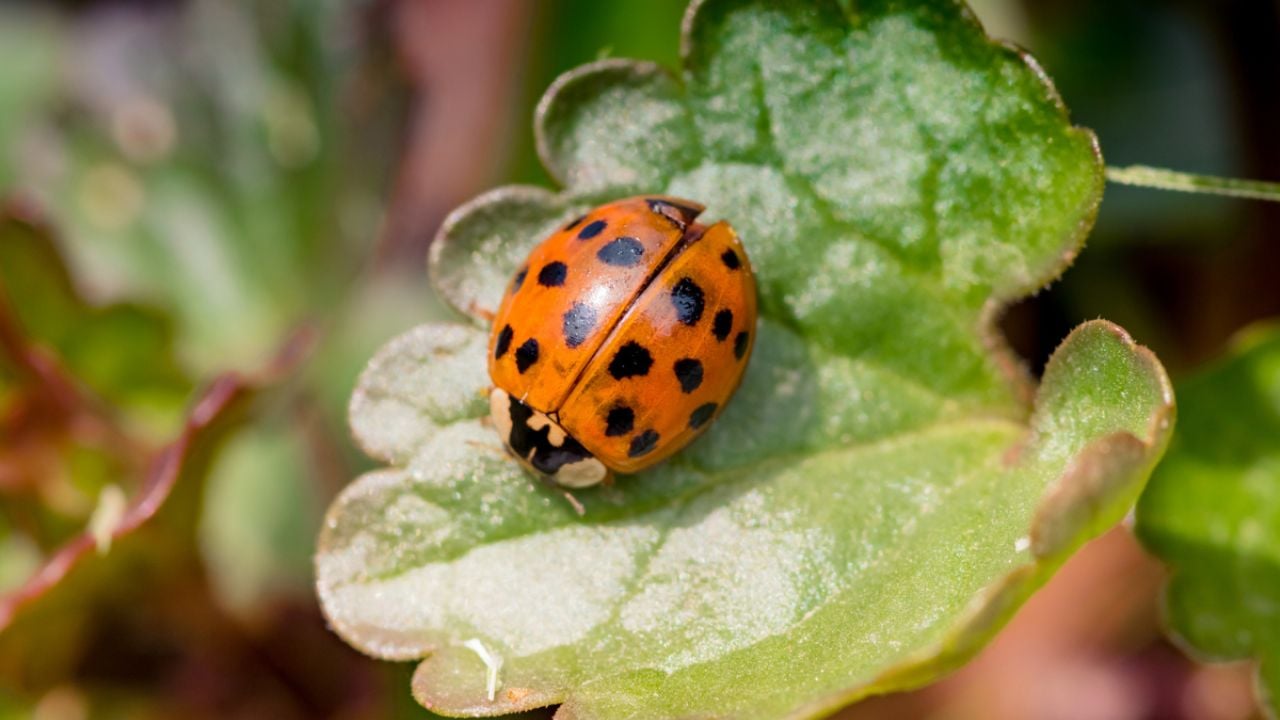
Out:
{"x": 1158, "y": 178}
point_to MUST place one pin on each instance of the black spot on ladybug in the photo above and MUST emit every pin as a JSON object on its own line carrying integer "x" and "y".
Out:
{"x": 722, "y": 325}
{"x": 553, "y": 274}
{"x": 578, "y": 324}
{"x": 643, "y": 443}
{"x": 526, "y": 355}
{"x": 577, "y": 221}
{"x": 701, "y": 415}
{"x": 730, "y": 259}
{"x": 689, "y": 373}
{"x": 592, "y": 230}
{"x": 620, "y": 421}
{"x": 519, "y": 279}
{"x": 631, "y": 360}
{"x": 621, "y": 252}
{"x": 689, "y": 301}
{"x": 740, "y": 344}
{"x": 535, "y": 445}
{"x": 504, "y": 342}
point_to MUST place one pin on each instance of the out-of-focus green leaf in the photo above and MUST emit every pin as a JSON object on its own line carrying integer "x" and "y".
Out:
{"x": 200, "y": 158}
{"x": 1212, "y": 511}
{"x": 266, "y": 493}
{"x": 48, "y": 623}
{"x": 27, "y": 76}
{"x": 218, "y": 166}
{"x": 885, "y": 489}
{"x": 373, "y": 311}
{"x": 85, "y": 389}
{"x": 19, "y": 557}
{"x": 123, "y": 353}
{"x": 259, "y": 519}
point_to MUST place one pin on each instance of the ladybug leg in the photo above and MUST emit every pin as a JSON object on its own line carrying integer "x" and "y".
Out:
{"x": 574, "y": 503}
{"x": 569, "y": 497}
{"x": 486, "y": 447}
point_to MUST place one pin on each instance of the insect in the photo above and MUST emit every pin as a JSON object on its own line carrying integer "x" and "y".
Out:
{"x": 620, "y": 338}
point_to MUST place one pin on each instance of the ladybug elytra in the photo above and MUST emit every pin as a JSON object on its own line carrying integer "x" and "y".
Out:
{"x": 620, "y": 338}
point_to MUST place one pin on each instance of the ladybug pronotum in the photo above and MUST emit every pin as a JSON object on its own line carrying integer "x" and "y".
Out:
{"x": 620, "y": 338}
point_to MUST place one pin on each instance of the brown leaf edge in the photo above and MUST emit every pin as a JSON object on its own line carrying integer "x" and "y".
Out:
{"x": 1105, "y": 472}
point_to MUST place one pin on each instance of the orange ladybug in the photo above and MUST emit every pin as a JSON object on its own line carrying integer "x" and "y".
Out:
{"x": 620, "y": 338}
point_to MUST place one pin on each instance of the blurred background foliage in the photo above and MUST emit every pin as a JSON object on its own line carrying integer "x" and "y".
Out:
{"x": 186, "y": 184}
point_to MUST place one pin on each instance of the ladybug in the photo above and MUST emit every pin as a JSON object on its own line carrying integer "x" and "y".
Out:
{"x": 620, "y": 338}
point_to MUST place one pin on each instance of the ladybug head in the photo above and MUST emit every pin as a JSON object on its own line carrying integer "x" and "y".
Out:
{"x": 539, "y": 443}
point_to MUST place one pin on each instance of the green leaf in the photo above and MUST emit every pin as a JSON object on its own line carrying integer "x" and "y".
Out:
{"x": 48, "y": 625}
{"x": 1213, "y": 512}
{"x": 258, "y": 519}
{"x": 27, "y": 78}
{"x": 887, "y": 486}
{"x": 122, "y": 352}
{"x": 233, "y": 188}
{"x": 85, "y": 389}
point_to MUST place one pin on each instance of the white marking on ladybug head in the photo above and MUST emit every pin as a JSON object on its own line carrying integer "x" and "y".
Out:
{"x": 555, "y": 436}
{"x": 500, "y": 412}
{"x": 583, "y": 473}
{"x": 579, "y": 473}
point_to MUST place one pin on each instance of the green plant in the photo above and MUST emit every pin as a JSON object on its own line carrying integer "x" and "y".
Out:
{"x": 1212, "y": 511}
{"x": 887, "y": 487}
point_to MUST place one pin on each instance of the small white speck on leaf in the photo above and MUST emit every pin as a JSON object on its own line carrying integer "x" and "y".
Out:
{"x": 492, "y": 663}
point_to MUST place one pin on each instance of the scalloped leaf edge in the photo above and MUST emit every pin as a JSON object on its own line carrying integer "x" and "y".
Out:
{"x": 1109, "y": 471}
{"x": 1014, "y": 367}
{"x": 1082, "y": 484}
